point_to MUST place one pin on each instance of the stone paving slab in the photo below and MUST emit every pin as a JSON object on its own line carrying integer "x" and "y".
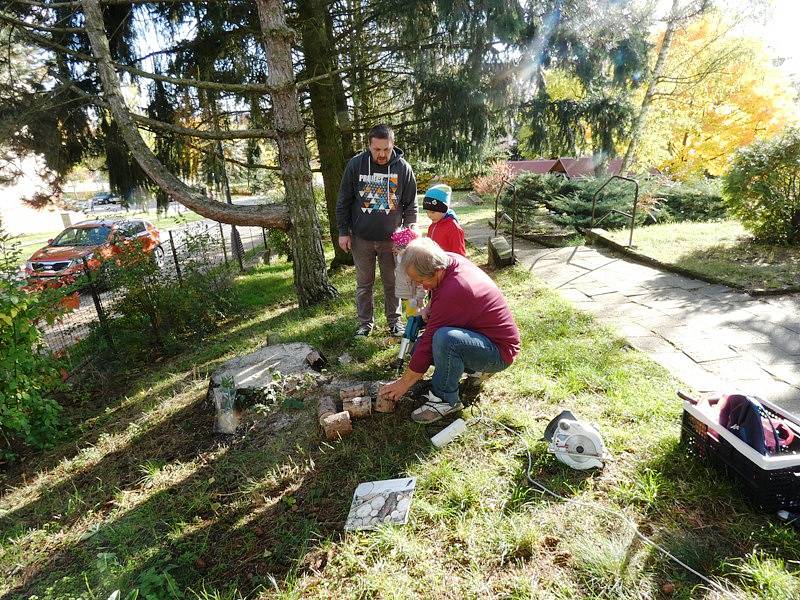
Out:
{"x": 711, "y": 336}
{"x": 737, "y": 369}
{"x": 701, "y": 351}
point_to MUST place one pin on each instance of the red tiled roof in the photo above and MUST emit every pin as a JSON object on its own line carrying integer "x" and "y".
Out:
{"x": 540, "y": 166}
{"x": 569, "y": 166}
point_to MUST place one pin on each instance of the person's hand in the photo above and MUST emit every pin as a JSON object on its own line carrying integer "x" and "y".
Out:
{"x": 413, "y": 226}
{"x": 345, "y": 243}
{"x": 394, "y": 390}
{"x": 424, "y": 312}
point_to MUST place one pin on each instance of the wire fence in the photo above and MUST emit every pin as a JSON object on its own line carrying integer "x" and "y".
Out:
{"x": 197, "y": 248}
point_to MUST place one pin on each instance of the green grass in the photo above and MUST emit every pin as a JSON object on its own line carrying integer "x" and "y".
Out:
{"x": 141, "y": 496}
{"x": 721, "y": 250}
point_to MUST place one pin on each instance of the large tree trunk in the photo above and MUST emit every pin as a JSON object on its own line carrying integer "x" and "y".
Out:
{"x": 318, "y": 52}
{"x": 310, "y": 277}
{"x": 263, "y": 216}
{"x": 661, "y": 59}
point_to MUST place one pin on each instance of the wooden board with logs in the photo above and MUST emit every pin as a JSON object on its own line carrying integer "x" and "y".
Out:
{"x": 334, "y": 423}
{"x": 358, "y": 407}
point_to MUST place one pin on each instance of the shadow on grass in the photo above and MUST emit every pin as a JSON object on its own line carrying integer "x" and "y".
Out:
{"x": 702, "y": 516}
{"x": 254, "y": 511}
{"x": 189, "y": 528}
{"x": 324, "y": 332}
{"x": 747, "y": 264}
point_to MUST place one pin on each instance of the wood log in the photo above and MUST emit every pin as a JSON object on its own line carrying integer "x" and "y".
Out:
{"x": 325, "y": 408}
{"x": 337, "y": 425}
{"x": 360, "y": 406}
{"x": 354, "y": 391}
{"x": 384, "y": 403}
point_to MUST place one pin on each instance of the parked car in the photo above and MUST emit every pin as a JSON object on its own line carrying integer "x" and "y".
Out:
{"x": 96, "y": 241}
{"x": 103, "y": 198}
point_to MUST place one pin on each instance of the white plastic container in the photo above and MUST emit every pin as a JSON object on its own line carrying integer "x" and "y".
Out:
{"x": 449, "y": 433}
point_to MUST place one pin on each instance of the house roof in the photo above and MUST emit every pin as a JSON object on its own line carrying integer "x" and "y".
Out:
{"x": 571, "y": 167}
{"x": 540, "y": 166}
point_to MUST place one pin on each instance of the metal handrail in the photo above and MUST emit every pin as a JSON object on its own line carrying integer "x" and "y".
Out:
{"x": 503, "y": 183}
{"x": 513, "y": 218}
{"x": 631, "y": 216}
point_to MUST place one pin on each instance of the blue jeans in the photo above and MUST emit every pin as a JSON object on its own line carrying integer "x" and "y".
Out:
{"x": 456, "y": 349}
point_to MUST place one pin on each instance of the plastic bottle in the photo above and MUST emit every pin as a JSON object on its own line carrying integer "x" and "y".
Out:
{"x": 449, "y": 433}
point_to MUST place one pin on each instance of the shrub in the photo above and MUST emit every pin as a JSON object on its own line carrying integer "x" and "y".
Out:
{"x": 688, "y": 202}
{"x": 569, "y": 201}
{"x": 490, "y": 183}
{"x": 762, "y": 188}
{"x": 153, "y": 312}
{"x": 426, "y": 179}
{"x": 30, "y": 375}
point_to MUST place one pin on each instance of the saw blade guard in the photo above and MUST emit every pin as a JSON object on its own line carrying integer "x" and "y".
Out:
{"x": 578, "y": 445}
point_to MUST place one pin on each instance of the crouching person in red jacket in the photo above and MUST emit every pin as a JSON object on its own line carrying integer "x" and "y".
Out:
{"x": 444, "y": 228}
{"x": 469, "y": 328}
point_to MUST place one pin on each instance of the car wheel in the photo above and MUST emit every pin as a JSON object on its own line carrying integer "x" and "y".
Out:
{"x": 158, "y": 257}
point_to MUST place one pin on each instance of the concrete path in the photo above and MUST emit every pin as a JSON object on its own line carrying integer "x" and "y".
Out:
{"x": 712, "y": 337}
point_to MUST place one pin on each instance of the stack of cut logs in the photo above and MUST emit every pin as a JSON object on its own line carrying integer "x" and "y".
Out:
{"x": 356, "y": 402}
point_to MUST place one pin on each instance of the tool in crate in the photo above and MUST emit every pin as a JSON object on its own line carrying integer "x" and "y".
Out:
{"x": 753, "y": 439}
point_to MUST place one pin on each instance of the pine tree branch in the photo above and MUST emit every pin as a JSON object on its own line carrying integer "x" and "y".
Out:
{"x": 234, "y": 134}
{"x": 242, "y": 88}
{"x": 264, "y": 216}
{"x": 77, "y": 4}
{"x": 233, "y": 160}
{"x": 36, "y": 27}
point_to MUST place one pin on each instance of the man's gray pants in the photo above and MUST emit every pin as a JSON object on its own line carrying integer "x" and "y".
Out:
{"x": 364, "y": 254}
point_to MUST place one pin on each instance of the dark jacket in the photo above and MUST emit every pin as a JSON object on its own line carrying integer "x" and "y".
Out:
{"x": 374, "y": 200}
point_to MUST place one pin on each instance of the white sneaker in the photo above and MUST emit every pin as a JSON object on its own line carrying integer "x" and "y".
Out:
{"x": 434, "y": 409}
{"x": 479, "y": 376}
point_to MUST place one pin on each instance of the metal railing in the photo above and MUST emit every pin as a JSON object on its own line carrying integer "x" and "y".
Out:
{"x": 504, "y": 215}
{"x": 631, "y": 215}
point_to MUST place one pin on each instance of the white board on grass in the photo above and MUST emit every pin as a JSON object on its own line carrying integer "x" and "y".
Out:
{"x": 379, "y": 502}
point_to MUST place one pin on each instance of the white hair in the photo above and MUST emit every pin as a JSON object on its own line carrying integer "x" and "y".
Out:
{"x": 425, "y": 256}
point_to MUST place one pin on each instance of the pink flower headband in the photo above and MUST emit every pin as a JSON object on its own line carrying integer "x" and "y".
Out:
{"x": 403, "y": 237}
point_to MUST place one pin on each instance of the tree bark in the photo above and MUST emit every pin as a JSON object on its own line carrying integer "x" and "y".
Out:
{"x": 661, "y": 59}
{"x": 263, "y": 216}
{"x": 310, "y": 276}
{"x": 318, "y": 53}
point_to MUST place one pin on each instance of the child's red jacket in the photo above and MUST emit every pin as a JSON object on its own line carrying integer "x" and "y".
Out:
{"x": 449, "y": 235}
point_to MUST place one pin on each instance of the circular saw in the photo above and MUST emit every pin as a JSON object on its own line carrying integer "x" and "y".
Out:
{"x": 576, "y": 443}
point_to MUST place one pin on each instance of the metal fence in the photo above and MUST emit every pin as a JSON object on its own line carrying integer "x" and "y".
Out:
{"x": 197, "y": 247}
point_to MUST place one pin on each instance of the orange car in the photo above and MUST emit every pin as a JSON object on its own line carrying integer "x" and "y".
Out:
{"x": 96, "y": 241}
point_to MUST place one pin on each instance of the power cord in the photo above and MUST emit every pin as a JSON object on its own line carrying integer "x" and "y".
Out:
{"x": 544, "y": 489}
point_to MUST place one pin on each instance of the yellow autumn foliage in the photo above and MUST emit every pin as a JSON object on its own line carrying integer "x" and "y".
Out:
{"x": 720, "y": 91}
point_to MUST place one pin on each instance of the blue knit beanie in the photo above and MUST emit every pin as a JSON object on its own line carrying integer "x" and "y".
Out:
{"x": 437, "y": 198}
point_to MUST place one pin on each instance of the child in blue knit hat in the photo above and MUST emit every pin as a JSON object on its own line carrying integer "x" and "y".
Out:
{"x": 444, "y": 228}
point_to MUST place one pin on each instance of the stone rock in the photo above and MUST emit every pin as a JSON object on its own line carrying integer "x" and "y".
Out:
{"x": 254, "y": 371}
{"x": 352, "y": 391}
{"x": 499, "y": 252}
{"x": 474, "y": 198}
{"x": 384, "y": 404}
{"x": 316, "y": 360}
{"x": 337, "y": 425}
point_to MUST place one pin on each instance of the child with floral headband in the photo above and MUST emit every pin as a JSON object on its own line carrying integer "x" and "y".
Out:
{"x": 413, "y": 296}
